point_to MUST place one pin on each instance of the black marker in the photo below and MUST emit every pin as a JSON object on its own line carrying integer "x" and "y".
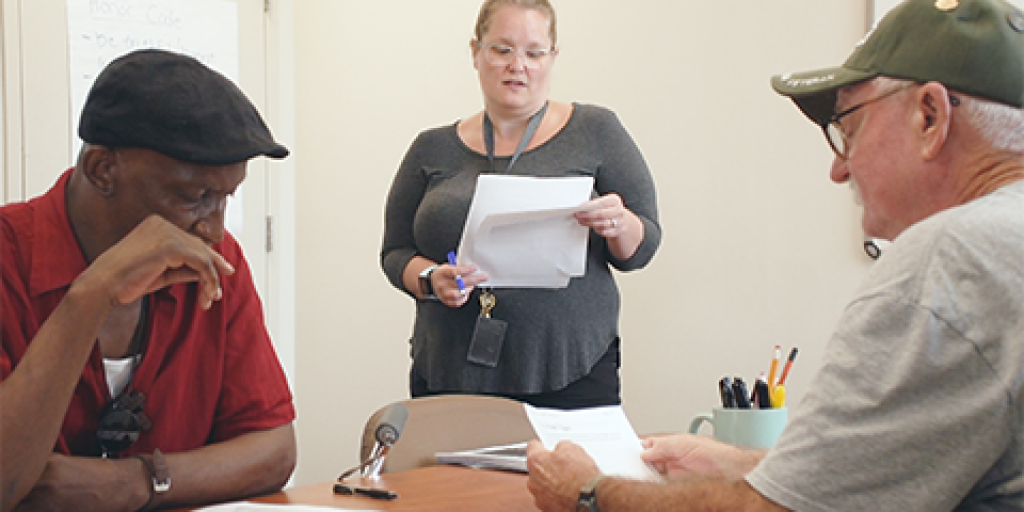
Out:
{"x": 739, "y": 389}
{"x": 380, "y": 494}
{"x": 725, "y": 389}
{"x": 762, "y": 393}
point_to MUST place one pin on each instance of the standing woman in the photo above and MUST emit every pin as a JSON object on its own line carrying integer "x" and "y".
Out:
{"x": 560, "y": 347}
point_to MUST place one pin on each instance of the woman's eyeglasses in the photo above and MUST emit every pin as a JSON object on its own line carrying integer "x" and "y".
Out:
{"x": 504, "y": 55}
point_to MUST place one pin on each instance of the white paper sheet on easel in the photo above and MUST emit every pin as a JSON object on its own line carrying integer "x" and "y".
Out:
{"x": 603, "y": 432}
{"x": 521, "y": 231}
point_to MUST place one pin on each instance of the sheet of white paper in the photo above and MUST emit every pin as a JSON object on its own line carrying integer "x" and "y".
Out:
{"x": 604, "y": 433}
{"x": 521, "y": 232}
{"x": 248, "y": 506}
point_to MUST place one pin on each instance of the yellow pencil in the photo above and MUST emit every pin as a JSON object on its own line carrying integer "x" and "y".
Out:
{"x": 775, "y": 367}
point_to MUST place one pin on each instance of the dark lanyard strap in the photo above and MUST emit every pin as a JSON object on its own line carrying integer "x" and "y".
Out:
{"x": 531, "y": 128}
{"x": 138, "y": 339}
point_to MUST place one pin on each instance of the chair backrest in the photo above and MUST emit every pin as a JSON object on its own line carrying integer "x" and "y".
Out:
{"x": 449, "y": 423}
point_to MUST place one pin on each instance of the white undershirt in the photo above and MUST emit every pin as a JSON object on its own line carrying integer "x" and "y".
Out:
{"x": 118, "y": 371}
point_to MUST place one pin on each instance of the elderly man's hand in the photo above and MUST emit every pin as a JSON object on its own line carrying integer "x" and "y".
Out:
{"x": 154, "y": 255}
{"x": 694, "y": 456}
{"x": 556, "y": 477}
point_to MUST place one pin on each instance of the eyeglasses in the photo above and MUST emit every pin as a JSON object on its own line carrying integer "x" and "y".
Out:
{"x": 504, "y": 55}
{"x": 121, "y": 423}
{"x": 835, "y": 134}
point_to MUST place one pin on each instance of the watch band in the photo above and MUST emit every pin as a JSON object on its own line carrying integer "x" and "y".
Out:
{"x": 426, "y": 287}
{"x": 159, "y": 474}
{"x": 587, "y": 501}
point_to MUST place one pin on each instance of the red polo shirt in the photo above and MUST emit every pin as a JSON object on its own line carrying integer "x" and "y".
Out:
{"x": 208, "y": 376}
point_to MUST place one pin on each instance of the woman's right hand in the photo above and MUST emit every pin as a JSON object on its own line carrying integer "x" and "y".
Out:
{"x": 446, "y": 278}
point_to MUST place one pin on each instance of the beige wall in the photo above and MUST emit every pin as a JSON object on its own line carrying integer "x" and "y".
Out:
{"x": 759, "y": 247}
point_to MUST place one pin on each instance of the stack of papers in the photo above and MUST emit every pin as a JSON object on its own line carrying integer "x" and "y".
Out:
{"x": 521, "y": 230}
{"x": 603, "y": 432}
{"x": 509, "y": 457}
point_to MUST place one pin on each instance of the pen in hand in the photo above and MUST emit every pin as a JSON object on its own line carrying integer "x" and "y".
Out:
{"x": 458, "y": 278}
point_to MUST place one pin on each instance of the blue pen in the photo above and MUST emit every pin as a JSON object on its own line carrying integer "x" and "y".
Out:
{"x": 458, "y": 279}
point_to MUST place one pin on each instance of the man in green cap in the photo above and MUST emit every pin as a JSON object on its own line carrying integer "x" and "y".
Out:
{"x": 919, "y": 403}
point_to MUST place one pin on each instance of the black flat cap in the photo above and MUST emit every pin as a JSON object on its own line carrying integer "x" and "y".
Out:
{"x": 175, "y": 105}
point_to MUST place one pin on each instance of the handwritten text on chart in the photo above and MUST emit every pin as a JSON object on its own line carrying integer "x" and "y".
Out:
{"x": 152, "y": 14}
{"x": 101, "y": 30}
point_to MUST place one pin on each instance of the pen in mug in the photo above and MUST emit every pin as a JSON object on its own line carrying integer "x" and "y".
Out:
{"x": 789, "y": 363}
{"x": 778, "y": 396}
{"x": 458, "y": 279}
{"x": 762, "y": 394}
{"x": 725, "y": 389}
{"x": 739, "y": 389}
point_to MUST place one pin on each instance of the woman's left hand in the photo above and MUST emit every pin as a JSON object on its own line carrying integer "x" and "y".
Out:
{"x": 606, "y": 215}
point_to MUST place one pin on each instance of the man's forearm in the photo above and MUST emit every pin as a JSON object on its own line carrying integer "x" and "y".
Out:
{"x": 251, "y": 464}
{"x": 616, "y": 495}
{"x": 36, "y": 395}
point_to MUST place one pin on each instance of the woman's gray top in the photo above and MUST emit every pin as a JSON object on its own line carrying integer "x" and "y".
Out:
{"x": 554, "y": 336}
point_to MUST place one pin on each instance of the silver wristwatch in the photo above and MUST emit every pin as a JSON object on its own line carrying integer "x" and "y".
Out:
{"x": 427, "y": 289}
{"x": 587, "y": 501}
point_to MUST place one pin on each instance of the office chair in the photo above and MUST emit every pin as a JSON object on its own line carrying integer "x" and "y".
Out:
{"x": 449, "y": 423}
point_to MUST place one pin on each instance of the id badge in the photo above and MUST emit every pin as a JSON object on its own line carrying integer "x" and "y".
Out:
{"x": 488, "y": 335}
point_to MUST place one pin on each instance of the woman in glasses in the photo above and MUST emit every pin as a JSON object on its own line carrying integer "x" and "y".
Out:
{"x": 552, "y": 347}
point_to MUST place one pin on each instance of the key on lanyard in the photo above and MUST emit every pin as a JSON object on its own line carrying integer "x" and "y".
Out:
{"x": 487, "y": 303}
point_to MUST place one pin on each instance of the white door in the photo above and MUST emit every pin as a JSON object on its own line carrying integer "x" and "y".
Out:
{"x": 36, "y": 119}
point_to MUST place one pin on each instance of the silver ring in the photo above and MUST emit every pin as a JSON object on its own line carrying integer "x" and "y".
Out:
{"x": 614, "y": 222}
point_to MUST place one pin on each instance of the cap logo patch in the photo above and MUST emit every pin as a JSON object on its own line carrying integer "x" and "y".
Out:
{"x": 806, "y": 82}
{"x": 946, "y": 5}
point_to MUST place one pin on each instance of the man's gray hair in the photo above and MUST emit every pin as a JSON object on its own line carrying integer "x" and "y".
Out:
{"x": 998, "y": 123}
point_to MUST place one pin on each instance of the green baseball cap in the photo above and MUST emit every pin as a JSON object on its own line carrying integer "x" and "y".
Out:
{"x": 972, "y": 46}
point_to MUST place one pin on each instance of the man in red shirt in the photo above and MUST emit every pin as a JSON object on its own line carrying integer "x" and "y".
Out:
{"x": 136, "y": 369}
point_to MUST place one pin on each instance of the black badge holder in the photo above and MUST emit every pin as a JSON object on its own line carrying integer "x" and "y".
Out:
{"x": 488, "y": 335}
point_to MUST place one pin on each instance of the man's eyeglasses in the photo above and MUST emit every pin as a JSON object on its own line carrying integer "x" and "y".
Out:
{"x": 835, "y": 134}
{"x": 503, "y": 55}
{"x": 121, "y": 423}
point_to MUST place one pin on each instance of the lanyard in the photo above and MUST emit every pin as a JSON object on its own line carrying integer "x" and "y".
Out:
{"x": 531, "y": 128}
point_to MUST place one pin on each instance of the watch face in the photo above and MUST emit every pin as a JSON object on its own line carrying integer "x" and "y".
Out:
{"x": 587, "y": 504}
{"x": 425, "y": 287}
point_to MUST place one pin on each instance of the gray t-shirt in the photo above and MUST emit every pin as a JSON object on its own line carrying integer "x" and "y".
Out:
{"x": 918, "y": 405}
{"x": 554, "y": 336}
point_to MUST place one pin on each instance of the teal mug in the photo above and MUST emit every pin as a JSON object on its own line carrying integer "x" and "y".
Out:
{"x": 755, "y": 429}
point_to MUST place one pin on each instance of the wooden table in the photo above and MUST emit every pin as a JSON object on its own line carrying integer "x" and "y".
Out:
{"x": 435, "y": 488}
